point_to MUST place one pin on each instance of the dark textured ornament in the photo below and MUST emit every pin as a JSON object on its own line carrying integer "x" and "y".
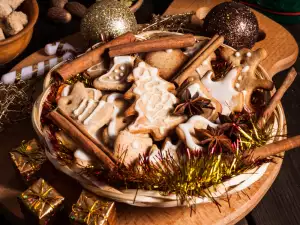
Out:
{"x": 107, "y": 18}
{"x": 235, "y": 22}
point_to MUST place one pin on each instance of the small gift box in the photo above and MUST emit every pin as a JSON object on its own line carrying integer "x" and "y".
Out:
{"x": 28, "y": 159}
{"x": 91, "y": 209}
{"x": 40, "y": 203}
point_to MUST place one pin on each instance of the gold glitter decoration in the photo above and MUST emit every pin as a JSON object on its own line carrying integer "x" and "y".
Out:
{"x": 108, "y": 17}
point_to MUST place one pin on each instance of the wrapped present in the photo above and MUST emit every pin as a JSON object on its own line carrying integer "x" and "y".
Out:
{"x": 92, "y": 210}
{"x": 28, "y": 159}
{"x": 40, "y": 203}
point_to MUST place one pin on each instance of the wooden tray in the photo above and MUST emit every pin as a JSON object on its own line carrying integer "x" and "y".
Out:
{"x": 283, "y": 51}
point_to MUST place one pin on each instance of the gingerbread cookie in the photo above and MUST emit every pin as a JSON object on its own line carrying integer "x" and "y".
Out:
{"x": 97, "y": 70}
{"x": 248, "y": 81}
{"x": 118, "y": 121}
{"x": 194, "y": 86}
{"x": 129, "y": 147}
{"x": 90, "y": 113}
{"x": 153, "y": 103}
{"x": 168, "y": 150}
{"x": 65, "y": 89}
{"x": 224, "y": 91}
{"x": 167, "y": 62}
{"x": 116, "y": 78}
{"x": 186, "y": 131}
{"x": 206, "y": 65}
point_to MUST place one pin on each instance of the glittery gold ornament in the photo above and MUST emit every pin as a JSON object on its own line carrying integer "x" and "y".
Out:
{"x": 109, "y": 18}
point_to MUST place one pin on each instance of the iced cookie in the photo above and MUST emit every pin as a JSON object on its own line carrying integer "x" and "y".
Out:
{"x": 194, "y": 86}
{"x": 168, "y": 151}
{"x": 186, "y": 131}
{"x": 167, "y": 62}
{"x": 129, "y": 147}
{"x": 153, "y": 103}
{"x": 96, "y": 70}
{"x": 118, "y": 121}
{"x": 116, "y": 78}
{"x": 65, "y": 89}
{"x": 206, "y": 65}
{"x": 248, "y": 81}
{"x": 224, "y": 91}
{"x": 87, "y": 112}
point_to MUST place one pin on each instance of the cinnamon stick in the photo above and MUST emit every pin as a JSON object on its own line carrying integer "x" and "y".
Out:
{"x": 80, "y": 139}
{"x": 269, "y": 109}
{"x": 81, "y": 128}
{"x": 208, "y": 49}
{"x": 159, "y": 44}
{"x": 92, "y": 57}
{"x": 209, "y": 43}
{"x": 271, "y": 149}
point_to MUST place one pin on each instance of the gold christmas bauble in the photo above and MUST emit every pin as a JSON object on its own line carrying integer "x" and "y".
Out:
{"x": 109, "y": 18}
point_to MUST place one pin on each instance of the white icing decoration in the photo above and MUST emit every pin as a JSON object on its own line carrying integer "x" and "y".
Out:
{"x": 122, "y": 67}
{"x": 80, "y": 108}
{"x": 97, "y": 94}
{"x": 111, "y": 129}
{"x": 99, "y": 106}
{"x": 237, "y": 54}
{"x": 82, "y": 158}
{"x": 237, "y": 85}
{"x": 246, "y": 69}
{"x": 240, "y": 77}
{"x": 119, "y": 61}
{"x": 66, "y": 91}
{"x": 79, "y": 154}
{"x": 135, "y": 144}
{"x": 169, "y": 50}
{"x": 223, "y": 90}
{"x": 117, "y": 77}
{"x": 205, "y": 62}
{"x": 121, "y": 74}
{"x": 86, "y": 110}
{"x": 153, "y": 96}
{"x": 188, "y": 128}
{"x": 249, "y": 54}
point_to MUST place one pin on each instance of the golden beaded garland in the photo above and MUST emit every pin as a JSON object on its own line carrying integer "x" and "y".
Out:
{"x": 109, "y": 18}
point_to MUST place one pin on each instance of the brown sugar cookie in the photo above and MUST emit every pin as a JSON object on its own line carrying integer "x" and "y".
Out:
{"x": 224, "y": 90}
{"x": 128, "y": 146}
{"x": 87, "y": 112}
{"x": 194, "y": 86}
{"x": 153, "y": 103}
{"x": 118, "y": 120}
{"x": 167, "y": 62}
{"x": 248, "y": 81}
{"x": 186, "y": 131}
{"x": 116, "y": 78}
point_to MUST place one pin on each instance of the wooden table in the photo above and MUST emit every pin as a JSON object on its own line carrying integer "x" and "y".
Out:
{"x": 10, "y": 186}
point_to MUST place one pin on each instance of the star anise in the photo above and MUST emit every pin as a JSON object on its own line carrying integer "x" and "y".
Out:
{"x": 215, "y": 139}
{"x": 221, "y": 68}
{"x": 192, "y": 105}
{"x": 234, "y": 120}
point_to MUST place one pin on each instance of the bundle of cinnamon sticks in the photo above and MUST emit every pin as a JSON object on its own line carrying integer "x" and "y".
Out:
{"x": 123, "y": 45}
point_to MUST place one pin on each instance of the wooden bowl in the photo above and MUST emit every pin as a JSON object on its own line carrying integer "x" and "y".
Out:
{"x": 13, "y": 46}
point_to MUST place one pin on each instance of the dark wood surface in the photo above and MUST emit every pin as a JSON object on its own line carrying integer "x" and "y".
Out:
{"x": 281, "y": 205}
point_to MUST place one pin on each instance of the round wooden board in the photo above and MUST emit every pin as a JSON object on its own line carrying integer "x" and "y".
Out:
{"x": 283, "y": 55}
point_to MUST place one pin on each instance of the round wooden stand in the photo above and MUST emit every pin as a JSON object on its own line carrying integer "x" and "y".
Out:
{"x": 282, "y": 50}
